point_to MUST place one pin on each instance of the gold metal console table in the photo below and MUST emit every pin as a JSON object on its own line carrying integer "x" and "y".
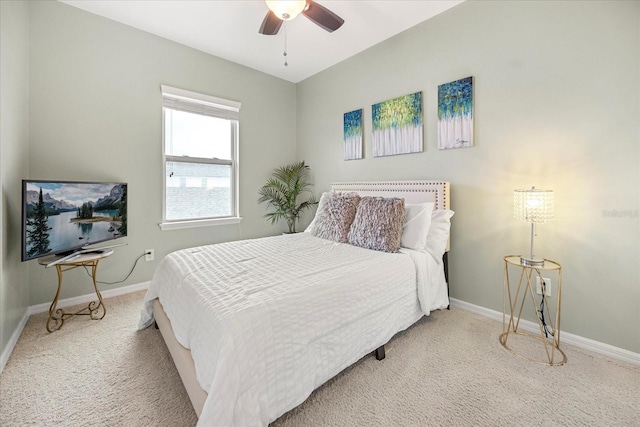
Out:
{"x": 550, "y": 309}
{"x": 95, "y": 309}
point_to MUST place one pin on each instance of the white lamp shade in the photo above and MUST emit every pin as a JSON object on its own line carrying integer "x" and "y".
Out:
{"x": 286, "y": 9}
{"x": 534, "y": 206}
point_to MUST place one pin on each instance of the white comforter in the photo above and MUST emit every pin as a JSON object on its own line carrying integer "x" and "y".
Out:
{"x": 269, "y": 320}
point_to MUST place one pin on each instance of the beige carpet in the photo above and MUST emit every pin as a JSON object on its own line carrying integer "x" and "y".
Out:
{"x": 448, "y": 369}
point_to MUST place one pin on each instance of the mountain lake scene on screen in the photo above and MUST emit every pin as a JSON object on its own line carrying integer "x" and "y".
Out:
{"x": 66, "y": 215}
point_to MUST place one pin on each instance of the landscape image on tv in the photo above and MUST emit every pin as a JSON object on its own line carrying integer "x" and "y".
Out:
{"x": 60, "y": 217}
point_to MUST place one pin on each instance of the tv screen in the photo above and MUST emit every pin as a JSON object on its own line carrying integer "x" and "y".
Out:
{"x": 61, "y": 217}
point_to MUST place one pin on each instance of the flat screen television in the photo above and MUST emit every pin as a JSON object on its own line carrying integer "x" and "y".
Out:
{"x": 63, "y": 217}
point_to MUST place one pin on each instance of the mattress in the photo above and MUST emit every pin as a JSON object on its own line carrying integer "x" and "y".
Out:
{"x": 269, "y": 320}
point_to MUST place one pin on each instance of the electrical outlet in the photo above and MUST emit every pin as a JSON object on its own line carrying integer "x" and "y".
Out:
{"x": 148, "y": 255}
{"x": 547, "y": 286}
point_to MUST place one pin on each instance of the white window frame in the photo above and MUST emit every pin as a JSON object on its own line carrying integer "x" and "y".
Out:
{"x": 193, "y": 102}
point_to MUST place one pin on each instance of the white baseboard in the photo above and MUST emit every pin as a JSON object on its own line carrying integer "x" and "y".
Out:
{"x": 581, "y": 342}
{"x": 569, "y": 338}
{"x": 4, "y": 357}
{"x": 42, "y": 308}
{"x": 83, "y": 299}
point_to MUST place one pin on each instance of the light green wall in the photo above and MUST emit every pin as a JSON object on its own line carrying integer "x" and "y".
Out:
{"x": 557, "y": 105}
{"x": 96, "y": 115}
{"x": 14, "y": 138}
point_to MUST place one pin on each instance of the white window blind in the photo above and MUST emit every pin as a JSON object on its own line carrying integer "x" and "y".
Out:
{"x": 197, "y": 103}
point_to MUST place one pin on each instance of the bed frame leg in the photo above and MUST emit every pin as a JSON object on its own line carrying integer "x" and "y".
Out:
{"x": 380, "y": 353}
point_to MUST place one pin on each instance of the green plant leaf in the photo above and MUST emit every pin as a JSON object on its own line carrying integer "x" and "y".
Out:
{"x": 283, "y": 193}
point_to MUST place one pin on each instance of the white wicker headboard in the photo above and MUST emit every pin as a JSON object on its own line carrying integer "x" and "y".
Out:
{"x": 410, "y": 191}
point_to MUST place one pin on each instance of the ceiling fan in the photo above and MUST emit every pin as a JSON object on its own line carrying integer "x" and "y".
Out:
{"x": 280, "y": 11}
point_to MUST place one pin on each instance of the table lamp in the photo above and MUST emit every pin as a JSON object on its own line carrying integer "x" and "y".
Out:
{"x": 536, "y": 207}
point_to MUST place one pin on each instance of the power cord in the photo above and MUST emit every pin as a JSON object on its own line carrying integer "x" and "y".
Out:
{"x": 548, "y": 330}
{"x": 119, "y": 281}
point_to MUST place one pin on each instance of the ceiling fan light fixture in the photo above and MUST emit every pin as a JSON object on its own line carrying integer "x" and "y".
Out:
{"x": 286, "y": 9}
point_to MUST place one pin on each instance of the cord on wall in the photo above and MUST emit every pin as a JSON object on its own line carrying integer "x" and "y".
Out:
{"x": 126, "y": 277}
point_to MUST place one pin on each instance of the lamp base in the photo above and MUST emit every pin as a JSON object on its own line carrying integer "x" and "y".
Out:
{"x": 531, "y": 262}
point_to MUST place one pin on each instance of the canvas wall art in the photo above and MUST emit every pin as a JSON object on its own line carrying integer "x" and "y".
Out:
{"x": 353, "y": 135}
{"x": 397, "y": 126}
{"x": 455, "y": 114}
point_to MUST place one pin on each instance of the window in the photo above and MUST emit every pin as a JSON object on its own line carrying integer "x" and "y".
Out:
{"x": 200, "y": 149}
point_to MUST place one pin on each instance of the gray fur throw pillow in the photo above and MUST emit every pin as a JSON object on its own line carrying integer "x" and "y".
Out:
{"x": 378, "y": 224}
{"x": 335, "y": 215}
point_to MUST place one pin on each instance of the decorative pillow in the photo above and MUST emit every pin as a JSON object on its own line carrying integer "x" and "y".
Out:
{"x": 417, "y": 219}
{"x": 438, "y": 234}
{"x": 378, "y": 224}
{"x": 334, "y": 216}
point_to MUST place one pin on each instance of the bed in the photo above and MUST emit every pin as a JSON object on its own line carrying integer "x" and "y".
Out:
{"x": 254, "y": 326}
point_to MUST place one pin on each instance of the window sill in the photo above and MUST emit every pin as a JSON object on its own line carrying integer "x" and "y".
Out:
{"x": 177, "y": 225}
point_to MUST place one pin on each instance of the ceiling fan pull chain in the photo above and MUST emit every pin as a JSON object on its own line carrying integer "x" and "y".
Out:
{"x": 285, "y": 45}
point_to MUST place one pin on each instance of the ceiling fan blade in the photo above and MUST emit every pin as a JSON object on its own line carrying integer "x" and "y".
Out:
{"x": 322, "y": 16}
{"x": 270, "y": 25}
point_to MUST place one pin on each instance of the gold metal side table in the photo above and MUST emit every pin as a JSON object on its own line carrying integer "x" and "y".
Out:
{"x": 513, "y": 304}
{"x": 95, "y": 309}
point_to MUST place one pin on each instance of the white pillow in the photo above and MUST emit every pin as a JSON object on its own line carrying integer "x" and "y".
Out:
{"x": 313, "y": 221}
{"x": 417, "y": 219}
{"x": 310, "y": 226}
{"x": 438, "y": 234}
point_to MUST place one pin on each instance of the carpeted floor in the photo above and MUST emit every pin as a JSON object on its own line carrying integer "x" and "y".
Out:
{"x": 448, "y": 369}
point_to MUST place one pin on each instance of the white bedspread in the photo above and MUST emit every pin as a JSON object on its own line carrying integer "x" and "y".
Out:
{"x": 269, "y": 320}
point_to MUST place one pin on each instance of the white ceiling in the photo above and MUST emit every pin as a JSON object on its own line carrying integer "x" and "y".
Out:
{"x": 229, "y": 29}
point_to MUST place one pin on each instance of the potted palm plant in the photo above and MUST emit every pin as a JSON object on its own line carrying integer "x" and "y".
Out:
{"x": 284, "y": 192}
